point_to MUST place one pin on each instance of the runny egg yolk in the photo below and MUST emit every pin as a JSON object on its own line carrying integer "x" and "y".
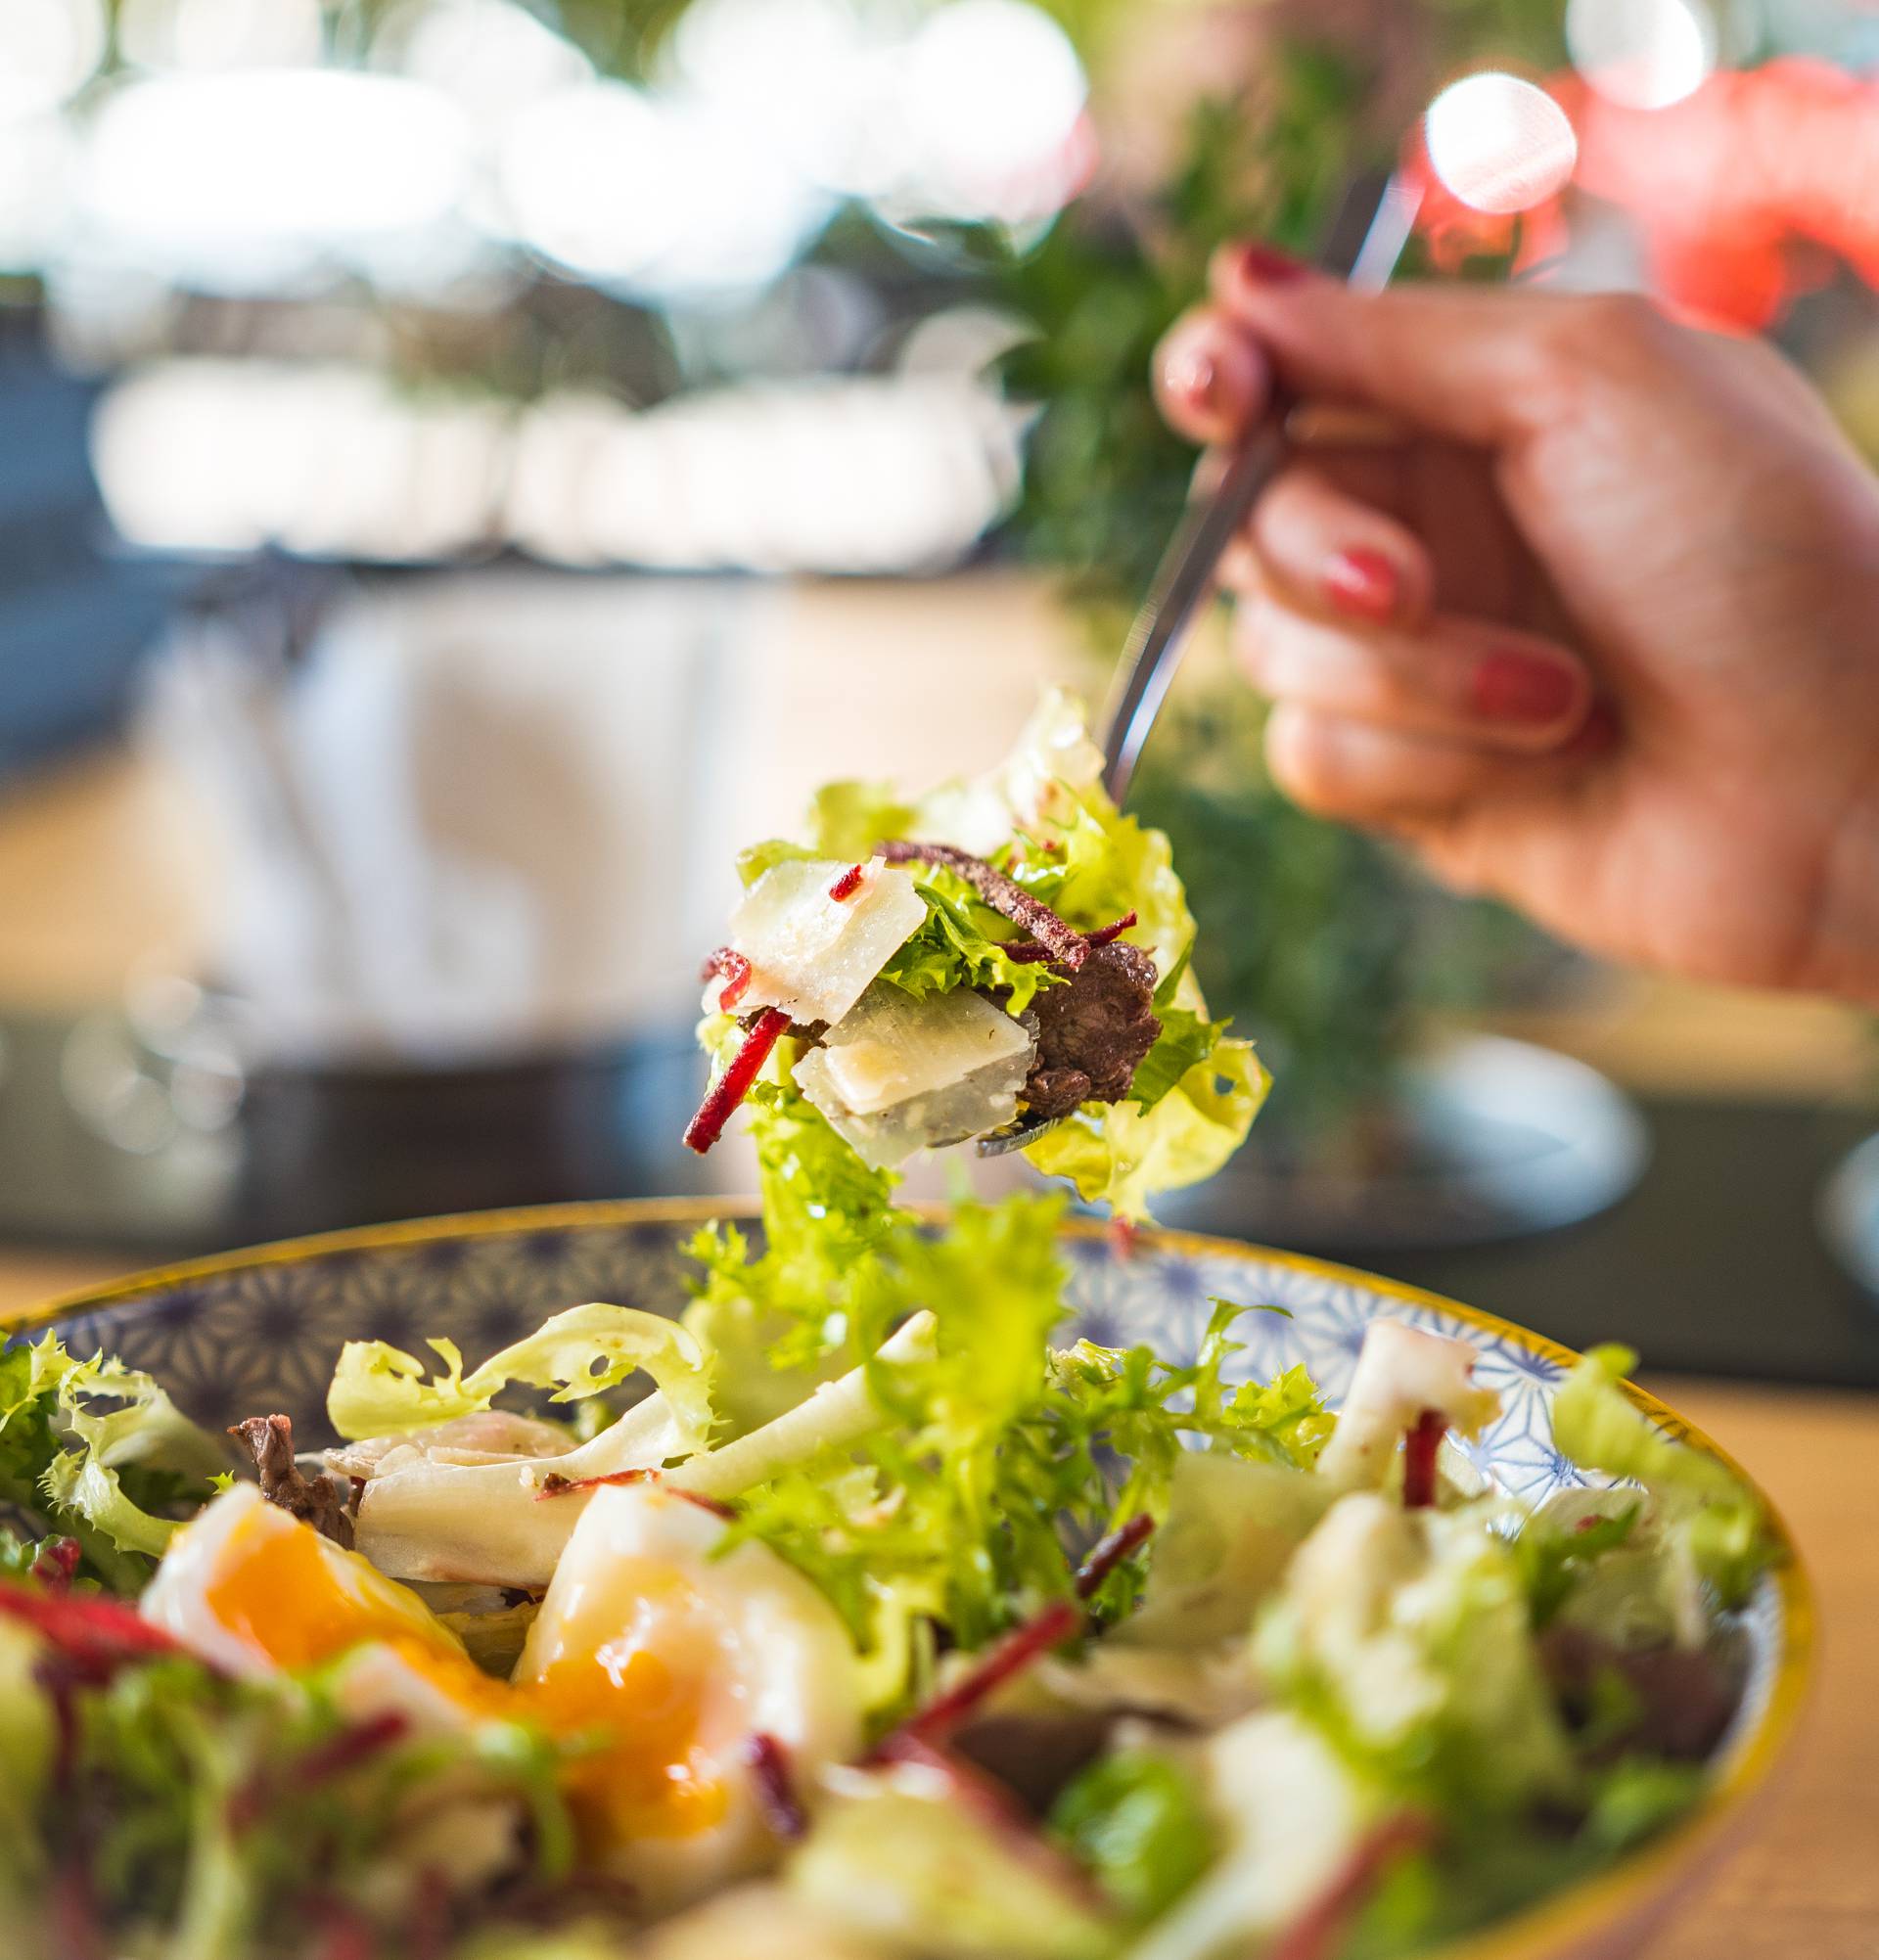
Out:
{"x": 283, "y": 1593}
{"x": 641, "y": 1688}
{"x": 633, "y": 1674}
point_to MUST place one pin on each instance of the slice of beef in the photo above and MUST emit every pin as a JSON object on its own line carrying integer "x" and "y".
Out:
{"x": 1005, "y": 895}
{"x": 318, "y": 1501}
{"x": 1094, "y": 1032}
{"x": 1686, "y": 1696}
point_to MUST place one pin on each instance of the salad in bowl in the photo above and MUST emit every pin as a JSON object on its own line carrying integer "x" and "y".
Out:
{"x": 862, "y": 1609}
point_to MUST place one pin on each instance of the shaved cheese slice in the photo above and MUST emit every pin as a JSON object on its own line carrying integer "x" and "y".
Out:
{"x": 810, "y": 953}
{"x": 899, "y": 1074}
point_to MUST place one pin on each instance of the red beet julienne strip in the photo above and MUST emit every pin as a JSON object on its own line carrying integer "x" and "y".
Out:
{"x": 715, "y": 1505}
{"x": 1315, "y": 1933}
{"x": 731, "y": 1087}
{"x": 1061, "y": 941}
{"x": 71, "y": 1911}
{"x": 101, "y": 1633}
{"x": 1028, "y": 952}
{"x": 554, "y": 1484}
{"x": 352, "y": 1746}
{"x": 58, "y": 1564}
{"x": 1109, "y": 1553}
{"x": 848, "y": 885}
{"x": 934, "y": 1724}
{"x": 776, "y": 1797}
{"x": 1420, "y": 1445}
{"x": 344, "y": 1932}
{"x": 735, "y": 970}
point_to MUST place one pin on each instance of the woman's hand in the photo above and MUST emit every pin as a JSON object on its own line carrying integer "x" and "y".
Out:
{"x": 1593, "y": 624}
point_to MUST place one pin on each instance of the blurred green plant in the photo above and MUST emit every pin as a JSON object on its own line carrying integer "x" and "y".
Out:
{"x": 1105, "y": 479}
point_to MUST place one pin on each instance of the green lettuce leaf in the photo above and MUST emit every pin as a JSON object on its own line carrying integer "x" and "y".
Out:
{"x": 27, "y": 1745}
{"x": 1557, "y": 1554}
{"x": 1698, "y": 1502}
{"x": 779, "y": 1321}
{"x": 1185, "y": 1041}
{"x": 98, "y": 1452}
{"x": 1136, "y": 1822}
{"x": 379, "y": 1390}
{"x": 962, "y": 945}
{"x": 1231, "y": 1527}
{"x": 997, "y": 1455}
{"x": 1122, "y": 1155}
{"x": 30, "y": 1376}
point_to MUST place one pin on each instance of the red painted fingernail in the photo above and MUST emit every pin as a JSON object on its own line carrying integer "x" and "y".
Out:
{"x": 1266, "y": 265}
{"x": 1519, "y": 687}
{"x": 1194, "y": 376}
{"x": 1362, "y": 583}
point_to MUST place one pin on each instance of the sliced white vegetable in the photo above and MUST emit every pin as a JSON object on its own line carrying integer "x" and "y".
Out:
{"x": 490, "y": 1435}
{"x": 489, "y": 1524}
{"x": 839, "y": 1411}
{"x": 898, "y": 1075}
{"x": 811, "y": 954}
{"x": 1401, "y": 1372}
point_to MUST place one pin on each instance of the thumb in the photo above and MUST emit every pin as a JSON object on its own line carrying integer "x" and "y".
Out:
{"x": 1467, "y": 362}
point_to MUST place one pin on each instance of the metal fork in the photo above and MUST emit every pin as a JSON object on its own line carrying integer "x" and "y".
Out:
{"x": 1366, "y": 240}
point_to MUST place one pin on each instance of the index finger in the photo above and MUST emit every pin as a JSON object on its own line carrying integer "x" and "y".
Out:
{"x": 1212, "y": 378}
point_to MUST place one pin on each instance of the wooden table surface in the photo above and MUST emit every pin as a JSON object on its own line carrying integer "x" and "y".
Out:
{"x": 1807, "y": 1882}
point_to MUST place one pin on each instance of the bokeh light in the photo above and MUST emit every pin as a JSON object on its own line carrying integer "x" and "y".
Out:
{"x": 49, "y": 49}
{"x": 491, "y": 56}
{"x": 237, "y": 181}
{"x": 993, "y": 97}
{"x": 1499, "y": 144}
{"x": 825, "y": 473}
{"x": 38, "y": 161}
{"x": 216, "y": 35}
{"x": 1643, "y": 54}
{"x": 655, "y": 195}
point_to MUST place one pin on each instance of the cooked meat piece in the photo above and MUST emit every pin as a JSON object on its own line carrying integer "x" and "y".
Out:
{"x": 1003, "y": 894}
{"x": 1686, "y": 1696}
{"x": 316, "y": 1501}
{"x": 1093, "y": 1033}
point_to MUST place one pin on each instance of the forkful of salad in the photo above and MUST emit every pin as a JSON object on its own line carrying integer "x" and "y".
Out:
{"x": 1007, "y": 961}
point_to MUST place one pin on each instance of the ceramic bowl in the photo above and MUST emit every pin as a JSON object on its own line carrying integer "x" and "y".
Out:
{"x": 258, "y": 1332}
